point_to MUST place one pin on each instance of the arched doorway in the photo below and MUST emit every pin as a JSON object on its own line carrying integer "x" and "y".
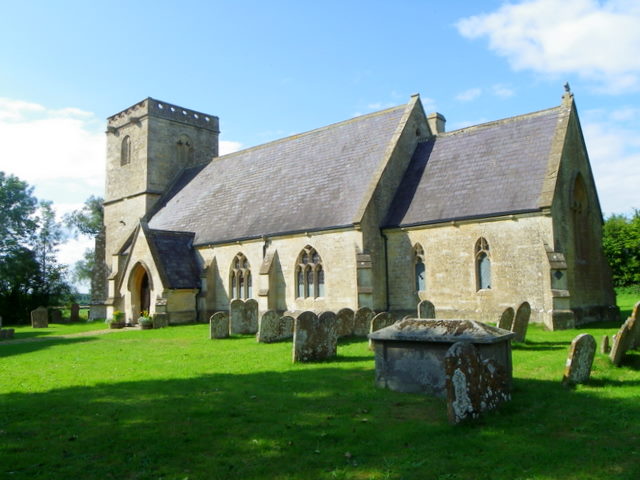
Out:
{"x": 140, "y": 287}
{"x": 145, "y": 293}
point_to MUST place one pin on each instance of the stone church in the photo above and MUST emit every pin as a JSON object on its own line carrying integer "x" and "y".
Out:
{"x": 381, "y": 210}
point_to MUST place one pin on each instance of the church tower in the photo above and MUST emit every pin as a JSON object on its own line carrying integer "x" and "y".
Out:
{"x": 148, "y": 145}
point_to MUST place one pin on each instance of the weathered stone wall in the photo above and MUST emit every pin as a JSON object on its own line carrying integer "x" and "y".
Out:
{"x": 578, "y": 231}
{"x": 519, "y": 267}
{"x": 336, "y": 248}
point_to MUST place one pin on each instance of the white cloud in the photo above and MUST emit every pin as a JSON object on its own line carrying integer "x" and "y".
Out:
{"x": 228, "y": 146}
{"x": 597, "y": 40}
{"x": 502, "y": 91}
{"x": 614, "y": 152}
{"x": 469, "y": 95}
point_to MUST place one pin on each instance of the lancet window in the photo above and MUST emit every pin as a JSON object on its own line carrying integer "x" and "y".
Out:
{"x": 483, "y": 265}
{"x": 309, "y": 274}
{"x": 240, "y": 278}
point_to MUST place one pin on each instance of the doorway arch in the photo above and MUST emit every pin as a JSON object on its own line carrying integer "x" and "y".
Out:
{"x": 140, "y": 287}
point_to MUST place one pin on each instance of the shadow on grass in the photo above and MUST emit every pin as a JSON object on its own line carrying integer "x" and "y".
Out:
{"x": 319, "y": 424}
{"x": 540, "y": 346}
{"x": 10, "y": 348}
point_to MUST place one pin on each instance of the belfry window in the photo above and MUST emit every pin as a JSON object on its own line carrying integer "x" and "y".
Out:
{"x": 483, "y": 265}
{"x": 309, "y": 274}
{"x": 125, "y": 151}
{"x": 419, "y": 271}
{"x": 241, "y": 285}
{"x": 184, "y": 149}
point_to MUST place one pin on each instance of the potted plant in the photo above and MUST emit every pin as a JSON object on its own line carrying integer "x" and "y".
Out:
{"x": 117, "y": 321}
{"x": 145, "y": 321}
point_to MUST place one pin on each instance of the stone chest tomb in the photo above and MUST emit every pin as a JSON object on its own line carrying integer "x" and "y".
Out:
{"x": 409, "y": 355}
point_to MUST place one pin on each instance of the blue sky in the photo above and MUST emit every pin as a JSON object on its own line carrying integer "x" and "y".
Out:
{"x": 271, "y": 69}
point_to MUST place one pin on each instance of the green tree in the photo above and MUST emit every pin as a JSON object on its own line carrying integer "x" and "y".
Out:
{"x": 86, "y": 221}
{"x": 29, "y": 235}
{"x": 621, "y": 242}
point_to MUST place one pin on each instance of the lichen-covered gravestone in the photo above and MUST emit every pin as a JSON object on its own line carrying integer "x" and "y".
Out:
{"x": 634, "y": 341}
{"x": 40, "y": 317}
{"x": 345, "y": 319}
{"x": 239, "y": 323}
{"x": 75, "y": 313}
{"x": 219, "y": 325}
{"x": 380, "y": 321}
{"x": 473, "y": 385}
{"x": 251, "y": 315}
{"x": 521, "y": 322}
{"x": 426, "y": 309}
{"x": 362, "y": 322}
{"x": 506, "y": 319}
{"x": 315, "y": 338}
{"x": 580, "y": 360}
{"x": 273, "y": 327}
{"x": 621, "y": 343}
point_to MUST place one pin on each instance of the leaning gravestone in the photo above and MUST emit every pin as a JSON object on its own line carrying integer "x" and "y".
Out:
{"x": 40, "y": 317}
{"x": 506, "y": 319}
{"x": 273, "y": 327}
{"x": 219, "y": 325}
{"x": 580, "y": 360}
{"x": 521, "y": 322}
{"x": 251, "y": 315}
{"x": 345, "y": 319}
{"x": 315, "y": 338}
{"x": 362, "y": 321}
{"x": 56, "y": 316}
{"x": 621, "y": 343}
{"x": 75, "y": 313}
{"x": 634, "y": 341}
{"x": 473, "y": 385}
{"x": 426, "y": 309}
{"x": 604, "y": 347}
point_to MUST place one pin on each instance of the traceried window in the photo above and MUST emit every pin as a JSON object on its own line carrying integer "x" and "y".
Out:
{"x": 125, "y": 151}
{"x": 184, "y": 149}
{"x": 309, "y": 274}
{"x": 483, "y": 265}
{"x": 419, "y": 268}
{"x": 240, "y": 278}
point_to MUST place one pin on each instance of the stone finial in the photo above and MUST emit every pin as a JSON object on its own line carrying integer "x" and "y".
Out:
{"x": 567, "y": 87}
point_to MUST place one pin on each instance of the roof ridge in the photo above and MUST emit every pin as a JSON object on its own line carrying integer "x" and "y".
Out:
{"x": 309, "y": 132}
{"x": 499, "y": 121}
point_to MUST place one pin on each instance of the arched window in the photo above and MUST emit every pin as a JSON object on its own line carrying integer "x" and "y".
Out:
{"x": 483, "y": 265}
{"x": 309, "y": 274}
{"x": 125, "y": 151}
{"x": 240, "y": 278}
{"x": 419, "y": 268}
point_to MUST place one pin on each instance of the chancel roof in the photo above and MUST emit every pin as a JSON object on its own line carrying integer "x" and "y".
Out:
{"x": 312, "y": 181}
{"x": 481, "y": 171}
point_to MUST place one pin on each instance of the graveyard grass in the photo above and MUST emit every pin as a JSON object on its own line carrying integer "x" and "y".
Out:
{"x": 172, "y": 404}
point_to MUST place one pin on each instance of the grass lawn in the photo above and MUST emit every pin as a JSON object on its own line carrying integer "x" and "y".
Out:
{"x": 172, "y": 404}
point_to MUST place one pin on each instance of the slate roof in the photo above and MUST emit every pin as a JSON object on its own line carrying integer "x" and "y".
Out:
{"x": 175, "y": 258}
{"x": 312, "y": 181}
{"x": 481, "y": 171}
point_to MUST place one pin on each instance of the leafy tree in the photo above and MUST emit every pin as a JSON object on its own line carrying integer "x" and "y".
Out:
{"x": 621, "y": 242}
{"x": 29, "y": 235}
{"x": 88, "y": 222}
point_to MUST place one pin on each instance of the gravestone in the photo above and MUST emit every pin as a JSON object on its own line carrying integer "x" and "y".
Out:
{"x": 160, "y": 319}
{"x": 251, "y": 315}
{"x": 274, "y": 327}
{"x": 426, "y": 309}
{"x": 40, "y": 317}
{"x": 75, "y": 313}
{"x": 605, "y": 347}
{"x": 346, "y": 320}
{"x": 315, "y": 338}
{"x": 56, "y": 316}
{"x": 578, "y": 366}
{"x": 521, "y": 322}
{"x": 362, "y": 321}
{"x": 6, "y": 333}
{"x": 473, "y": 385}
{"x": 380, "y": 321}
{"x": 506, "y": 319}
{"x": 621, "y": 343}
{"x": 237, "y": 317}
{"x": 219, "y": 325}
{"x": 634, "y": 341}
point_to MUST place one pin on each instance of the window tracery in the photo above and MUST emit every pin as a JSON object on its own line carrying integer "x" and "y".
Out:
{"x": 309, "y": 274}
{"x": 240, "y": 278}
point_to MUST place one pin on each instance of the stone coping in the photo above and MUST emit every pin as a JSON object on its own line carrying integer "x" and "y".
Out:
{"x": 442, "y": 331}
